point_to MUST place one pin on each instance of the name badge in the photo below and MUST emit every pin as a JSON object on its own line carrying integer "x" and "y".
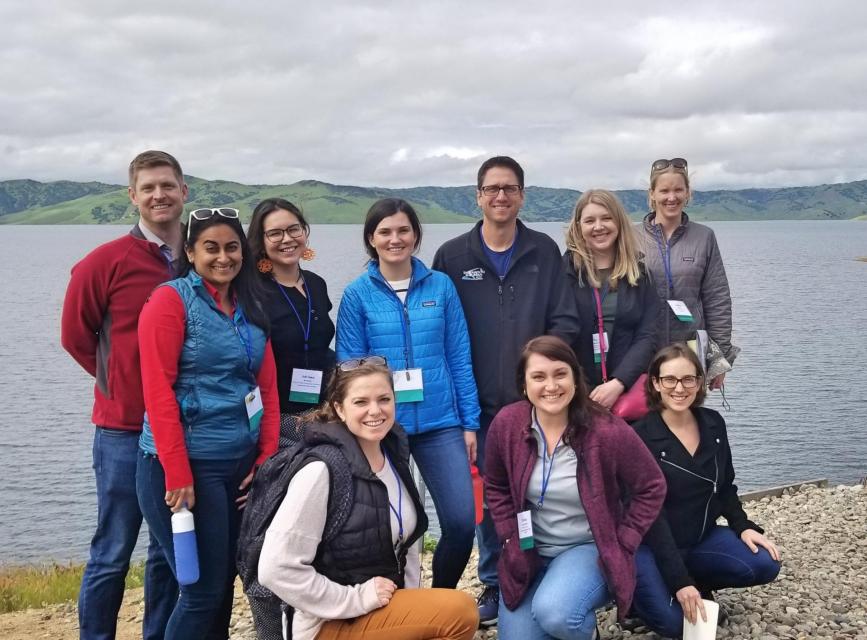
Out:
{"x": 255, "y": 409}
{"x": 305, "y": 386}
{"x": 408, "y": 385}
{"x": 525, "y": 530}
{"x": 681, "y": 310}
{"x": 598, "y": 345}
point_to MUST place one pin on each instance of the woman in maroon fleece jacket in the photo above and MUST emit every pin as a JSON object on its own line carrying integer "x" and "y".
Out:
{"x": 571, "y": 490}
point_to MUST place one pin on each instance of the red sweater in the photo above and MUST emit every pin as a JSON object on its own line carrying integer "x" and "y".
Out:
{"x": 99, "y": 325}
{"x": 161, "y": 339}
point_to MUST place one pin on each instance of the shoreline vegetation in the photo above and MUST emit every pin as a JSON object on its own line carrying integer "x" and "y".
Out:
{"x": 821, "y": 590}
{"x": 66, "y": 202}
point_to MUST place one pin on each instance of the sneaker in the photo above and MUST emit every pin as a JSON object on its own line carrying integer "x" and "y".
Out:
{"x": 489, "y": 605}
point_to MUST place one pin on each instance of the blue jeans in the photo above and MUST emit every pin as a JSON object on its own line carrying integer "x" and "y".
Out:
{"x": 486, "y": 534}
{"x": 205, "y": 607}
{"x": 441, "y": 457}
{"x": 562, "y": 600}
{"x": 720, "y": 560}
{"x": 117, "y": 527}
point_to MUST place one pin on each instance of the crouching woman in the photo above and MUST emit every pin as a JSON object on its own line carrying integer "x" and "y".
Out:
{"x": 572, "y": 491}
{"x": 341, "y": 549}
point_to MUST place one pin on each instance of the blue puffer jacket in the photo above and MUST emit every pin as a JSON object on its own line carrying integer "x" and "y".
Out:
{"x": 435, "y": 340}
{"x": 213, "y": 377}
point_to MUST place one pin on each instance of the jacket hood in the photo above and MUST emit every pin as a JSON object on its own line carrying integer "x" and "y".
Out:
{"x": 335, "y": 433}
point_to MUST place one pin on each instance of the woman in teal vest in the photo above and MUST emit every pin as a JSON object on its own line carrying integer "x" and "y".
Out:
{"x": 212, "y": 410}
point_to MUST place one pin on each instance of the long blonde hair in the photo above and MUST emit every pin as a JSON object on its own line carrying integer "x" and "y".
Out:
{"x": 625, "y": 252}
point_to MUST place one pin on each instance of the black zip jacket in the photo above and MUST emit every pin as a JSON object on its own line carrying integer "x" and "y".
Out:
{"x": 531, "y": 300}
{"x": 633, "y": 340}
{"x": 700, "y": 489}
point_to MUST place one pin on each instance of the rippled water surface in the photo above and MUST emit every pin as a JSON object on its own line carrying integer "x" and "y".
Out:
{"x": 798, "y": 393}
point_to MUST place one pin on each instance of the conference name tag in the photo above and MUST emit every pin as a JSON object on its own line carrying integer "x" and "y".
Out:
{"x": 255, "y": 409}
{"x": 681, "y": 310}
{"x": 305, "y": 385}
{"x": 525, "y": 530}
{"x": 408, "y": 385}
{"x": 598, "y": 345}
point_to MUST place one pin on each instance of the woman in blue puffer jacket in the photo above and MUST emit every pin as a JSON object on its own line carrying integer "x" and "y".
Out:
{"x": 402, "y": 310}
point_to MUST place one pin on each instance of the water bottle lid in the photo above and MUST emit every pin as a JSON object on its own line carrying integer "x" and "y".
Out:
{"x": 183, "y": 521}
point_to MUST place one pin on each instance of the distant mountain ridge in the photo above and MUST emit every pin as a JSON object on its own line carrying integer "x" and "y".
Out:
{"x": 65, "y": 202}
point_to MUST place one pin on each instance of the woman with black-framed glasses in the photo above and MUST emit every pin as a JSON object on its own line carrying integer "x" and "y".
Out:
{"x": 686, "y": 555}
{"x": 684, "y": 261}
{"x": 212, "y": 413}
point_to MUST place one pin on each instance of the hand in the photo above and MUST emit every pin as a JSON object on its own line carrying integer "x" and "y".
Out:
{"x": 385, "y": 589}
{"x": 470, "y": 441}
{"x": 716, "y": 383}
{"x": 691, "y": 603}
{"x": 606, "y": 394}
{"x": 176, "y": 498}
{"x": 241, "y": 500}
{"x": 753, "y": 539}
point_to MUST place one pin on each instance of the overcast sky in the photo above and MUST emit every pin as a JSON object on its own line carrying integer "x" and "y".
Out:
{"x": 391, "y": 94}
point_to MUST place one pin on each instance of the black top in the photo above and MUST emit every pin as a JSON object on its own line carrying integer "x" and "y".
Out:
{"x": 502, "y": 315}
{"x": 700, "y": 489}
{"x": 287, "y": 334}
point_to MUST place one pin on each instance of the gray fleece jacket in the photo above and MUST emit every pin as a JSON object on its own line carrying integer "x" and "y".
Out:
{"x": 698, "y": 278}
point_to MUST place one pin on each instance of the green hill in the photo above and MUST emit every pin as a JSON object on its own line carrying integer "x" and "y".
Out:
{"x": 31, "y": 202}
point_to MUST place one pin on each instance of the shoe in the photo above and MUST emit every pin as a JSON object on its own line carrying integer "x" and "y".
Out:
{"x": 723, "y": 615}
{"x": 489, "y": 605}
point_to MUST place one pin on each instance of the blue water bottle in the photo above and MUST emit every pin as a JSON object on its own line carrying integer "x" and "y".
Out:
{"x": 184, "y": 540}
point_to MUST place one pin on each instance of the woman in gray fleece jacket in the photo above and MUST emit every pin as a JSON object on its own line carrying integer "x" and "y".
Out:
{"x": 685, "y": 263}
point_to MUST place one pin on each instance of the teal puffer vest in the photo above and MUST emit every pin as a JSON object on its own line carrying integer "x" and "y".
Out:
{"x": 214, "y": 375}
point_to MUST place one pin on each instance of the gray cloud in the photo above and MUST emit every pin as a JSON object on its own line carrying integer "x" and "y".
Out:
{"x": 753, "y": 94}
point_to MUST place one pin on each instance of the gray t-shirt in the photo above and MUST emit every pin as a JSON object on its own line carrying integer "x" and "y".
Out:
{"x": 561, "y": 522}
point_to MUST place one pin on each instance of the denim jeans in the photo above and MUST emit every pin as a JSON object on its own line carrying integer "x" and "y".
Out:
{"x": 205, "y": 607}
{"x": 441, "y": 457}
{"x": 486, "y": 534}
{"x": 720, "y": 560}
{"x": 562, "y": 600}
{"x": 117, "y": 527}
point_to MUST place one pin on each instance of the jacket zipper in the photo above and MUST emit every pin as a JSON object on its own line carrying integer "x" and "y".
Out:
{"x": 710, "y": 497}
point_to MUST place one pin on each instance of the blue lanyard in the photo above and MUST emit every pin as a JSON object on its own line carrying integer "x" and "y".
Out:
{"x": 246, "y": 341}
{"x": 167, "y": 255}
{"x": 404, "y": 319}
{"x": 665, "y": 255}
{"x": 398, "y": 513}
{"x": 305, "y": 330}
{"x": 546, "y": 476}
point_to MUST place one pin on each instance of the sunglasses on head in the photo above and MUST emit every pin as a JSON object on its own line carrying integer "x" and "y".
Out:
{"x": 355, "y": 363}
{"x": 207, "y": 213}
{"x": 659, "y": 165}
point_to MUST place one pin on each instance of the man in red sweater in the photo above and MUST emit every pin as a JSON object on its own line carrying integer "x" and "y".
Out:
{"x": 99, "y": 330}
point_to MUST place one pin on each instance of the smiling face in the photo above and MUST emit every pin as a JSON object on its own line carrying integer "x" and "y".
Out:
{"x": 669, "y": 196}
{"x": 287, "y": 250}
{"x": 500, "y": 208}
{"x": 549, "y": 384}
{"x": 679, "y": 398}
{"x": 367, "y": 408}
{"x": 159, "y": 196}
{"x": 216, "y": 255}
{"x": 394, "y": 240}
{"x": 599, "y": 230}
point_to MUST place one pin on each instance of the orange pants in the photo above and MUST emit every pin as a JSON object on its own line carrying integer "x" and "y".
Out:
{"x": 412, "y": 614}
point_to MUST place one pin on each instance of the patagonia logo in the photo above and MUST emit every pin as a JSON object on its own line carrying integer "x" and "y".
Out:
{"x": 474, "y": 274}
{"x": 429, "y": 303}
{"x": 688, "y": 259}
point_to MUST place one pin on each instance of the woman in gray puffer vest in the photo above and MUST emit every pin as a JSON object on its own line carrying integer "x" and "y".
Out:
{"x": 685, "y": 263}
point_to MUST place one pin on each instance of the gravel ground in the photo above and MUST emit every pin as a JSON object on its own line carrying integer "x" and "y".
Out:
{"x": 821, "y": 590}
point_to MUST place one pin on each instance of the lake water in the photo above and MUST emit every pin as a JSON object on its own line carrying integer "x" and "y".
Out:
{"x": 797, "y": 394}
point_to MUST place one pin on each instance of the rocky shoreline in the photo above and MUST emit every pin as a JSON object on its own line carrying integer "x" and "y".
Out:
{"x": 821, "y": 591}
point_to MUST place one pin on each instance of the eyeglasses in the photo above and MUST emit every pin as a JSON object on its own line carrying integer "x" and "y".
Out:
{"x": 354, "y": 363}
{"x": 207, "y": 213}
{"x": 677, "y": 163}
{"x": 494, "y": 190}
{"x": 276, "y": 236}
{"x": 688, "y": 382}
